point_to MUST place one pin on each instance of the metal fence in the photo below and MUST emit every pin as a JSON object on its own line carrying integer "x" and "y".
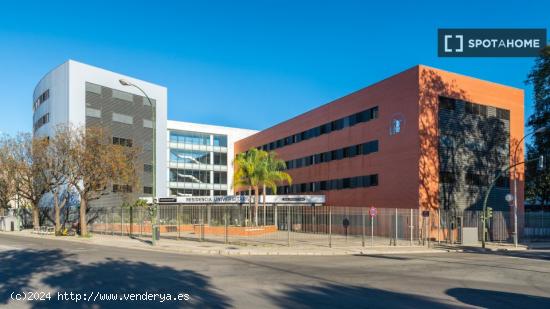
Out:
{"x": 276, "y": 225}
{"x": 537, "y": 225}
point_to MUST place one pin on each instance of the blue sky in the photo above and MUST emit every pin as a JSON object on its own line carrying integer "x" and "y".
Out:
{"x": 248, "y": 64}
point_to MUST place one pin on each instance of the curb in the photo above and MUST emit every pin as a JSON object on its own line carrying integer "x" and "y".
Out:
{"x": 234, "y": 252}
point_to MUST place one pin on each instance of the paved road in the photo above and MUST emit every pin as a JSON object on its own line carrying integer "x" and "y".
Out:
{"x": 437, "y": 280}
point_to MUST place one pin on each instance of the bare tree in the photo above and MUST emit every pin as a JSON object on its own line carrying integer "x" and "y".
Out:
{"x": 95, "y": 163}
{"x": 7, "y": 181}
{"x": 57, "y": 164}
{"x": 27, "y": 166}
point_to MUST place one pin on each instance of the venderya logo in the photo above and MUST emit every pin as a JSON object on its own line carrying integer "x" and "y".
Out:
{"x": 490, "y": 42}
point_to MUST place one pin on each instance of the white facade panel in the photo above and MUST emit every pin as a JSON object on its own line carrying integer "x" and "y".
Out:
{"x": 67, "y": 105}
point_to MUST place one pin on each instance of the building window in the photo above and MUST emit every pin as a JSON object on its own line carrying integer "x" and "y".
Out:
{"x": 147, "y": 123}
{"x": 220, "y": 158}
{"x": 123, "y": 118}
{"x": 475, "y": 109}
{"x": 338, "y": 124}
{"x": 147, "y": 190}
{"x": 121, "y": 95}
{"x": 191, "y": 138}
{"x": 126, "y": 142}
{"x": 122, "y": 188}
{"x": 41, "y": 121}
{"x": 189, "y": 176}
{"x": 220, "y": 140}
{"x": 189, "y": 192}
{"x": 220, "y": 178}
{"x": 189, "y": 156}
{"x": 446, "y": 103}
{"x": 41, "y": 99}
{"x": 93, "y": 88}
{"x": 148, "y": 168}
{"x": 333, "y": 184}
{"x": 337, "y": 154}
{"x": 92, "y": 112}
{"x": 503, "y": 114}
{"x": 220, "y": 193}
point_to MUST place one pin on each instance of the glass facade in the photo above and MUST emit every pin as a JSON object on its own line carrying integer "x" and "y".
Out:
{"x": 197, "y": 164}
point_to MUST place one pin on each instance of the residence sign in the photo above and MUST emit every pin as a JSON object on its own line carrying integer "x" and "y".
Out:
{"x": 244, "y": 199}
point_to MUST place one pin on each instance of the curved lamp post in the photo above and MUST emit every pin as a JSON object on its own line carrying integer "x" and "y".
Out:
{"x": 539, "y": 130}
{"x": 154, "y": 149}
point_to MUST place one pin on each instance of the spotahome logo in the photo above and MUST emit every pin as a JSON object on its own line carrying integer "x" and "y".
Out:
{"x": 490, "y": 42}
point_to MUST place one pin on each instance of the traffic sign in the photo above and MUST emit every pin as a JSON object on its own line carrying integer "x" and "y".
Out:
{"x": 373, "y": 212}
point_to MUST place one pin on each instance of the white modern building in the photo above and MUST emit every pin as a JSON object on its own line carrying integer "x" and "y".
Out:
{"x": 191, "y": 159}
{"x": 200, "y": 158}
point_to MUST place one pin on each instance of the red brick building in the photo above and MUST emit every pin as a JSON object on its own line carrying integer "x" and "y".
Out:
{"x": 386, "y": 145}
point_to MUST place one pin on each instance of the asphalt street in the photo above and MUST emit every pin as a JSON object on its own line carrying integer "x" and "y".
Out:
{"x": 35, "y": 267}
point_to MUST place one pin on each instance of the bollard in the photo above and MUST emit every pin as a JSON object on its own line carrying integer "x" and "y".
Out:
{"x": 411, "y": 228}
{"x": 395, "y": 241}
{"x": 288, "y": 224}
{"x": 208, "y": 214}
{"x": 226, "y": 226}
{"x": 121, "y": 221}
{"x": 363, "y": 225}
{"x": 330, "y": 227}
{"x": 439, "y": 225}
{"x": 178, "y": 220}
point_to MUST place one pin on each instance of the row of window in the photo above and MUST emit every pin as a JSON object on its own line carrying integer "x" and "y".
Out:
{"x": 473, "y": 179}
{"x": 338, "y": 154}
{"x": 41, "y": 121}
{"x": 473, "y": 108}
{"x": 364, "y": 116}
{"x": 116, "y": 117}
{"x": 195, "y": 138}
{"x": 195, "y": 192}
{"x": 197, "y": 176}
{"x": 334, "y": 184}
{"x": 122, "y": 188}
{"x": 197, "y": 157}
{"x": 117, "y": 94}
{"x": 126, "y": 142}
{"x": 41, "y": 99}
{"x": 117, "y": 188}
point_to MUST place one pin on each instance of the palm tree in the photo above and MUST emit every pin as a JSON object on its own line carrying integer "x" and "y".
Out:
{"x": 248, "y": 173}
{"x": 272, "y": 174}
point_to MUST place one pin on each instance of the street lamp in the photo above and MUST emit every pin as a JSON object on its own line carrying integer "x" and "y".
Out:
{"x": 124, "y": 82}
{"x": 539, "y": 130}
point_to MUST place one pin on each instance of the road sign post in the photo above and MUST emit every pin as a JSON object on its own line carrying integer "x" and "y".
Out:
{"x": 372, "y": 212}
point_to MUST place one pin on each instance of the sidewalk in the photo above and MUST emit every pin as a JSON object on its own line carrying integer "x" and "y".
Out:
{"x": 211, "y": 248}
{"x": 489, "y": 246}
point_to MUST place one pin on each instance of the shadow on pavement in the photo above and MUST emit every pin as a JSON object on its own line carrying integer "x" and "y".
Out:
{"x": 497, "y": 299}
{"x": 122, "y": 276}
{"x": 346, "y": 296}
{"x": 17, "y": 267}
{"x": 21, "y": 270}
